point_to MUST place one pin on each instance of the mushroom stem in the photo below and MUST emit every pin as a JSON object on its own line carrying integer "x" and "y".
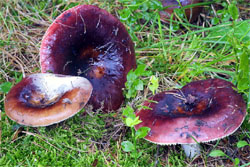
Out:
{"x": 191, "y": 150}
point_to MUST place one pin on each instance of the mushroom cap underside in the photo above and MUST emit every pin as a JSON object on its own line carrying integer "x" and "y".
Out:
{"x": 44, "y": 99}
{"x": 201, "y": 111}
{"x": 88, "y": 41}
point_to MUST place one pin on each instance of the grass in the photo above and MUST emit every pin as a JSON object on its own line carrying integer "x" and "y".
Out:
{"x": 176, "y": 53}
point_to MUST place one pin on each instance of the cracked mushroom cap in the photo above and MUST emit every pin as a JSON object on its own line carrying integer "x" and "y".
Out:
{"x": 45, "y": 99}
{"x": 205, "y": 110}
{"x": 191, "y": 13}
{"x": 88, "y": 41}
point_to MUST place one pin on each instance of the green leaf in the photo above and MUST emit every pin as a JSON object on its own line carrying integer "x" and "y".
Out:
{"x": 243, "y": 73}
{"x": 127, "y": 146}
{"x": 223, "y": 33}
{"x": 131, "y": 93}
{"x": 233, "y": 11}
{"x": 243, "y": 84}
{"x": 154, "y": 84}
{"x": 155, "y": 4}
{"x": 140, "y": 70}
{"x": 124, "y": 14}
{"x": 123, "y": 1}
{"x": 128, "y": 112}
{"x": 174, "y": 27}
{"x": 136, "y": 154}
{"x": 142, "y": 132}
{"x": 131, "y": 76}
{"x": 217, "y": 153}
{"x": 138, "y": 84}
{"x": 179, "y": 12}
{"x": 18, "y": 77}
{"x": 5, "y": 87}
{"x": 242, "y": 31}
{"x": 242, "y": 143}
{"x": 130, "y": 122}
{"x": 215, "y": 20}
{"x": 236, "y": 161}
{"x": 134, "y": 83}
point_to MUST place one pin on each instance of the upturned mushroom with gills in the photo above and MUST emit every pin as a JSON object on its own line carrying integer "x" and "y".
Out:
{"x": 88, "y": 41}
{"x": 45, "y": 99}
{"x": 201, "y": 111}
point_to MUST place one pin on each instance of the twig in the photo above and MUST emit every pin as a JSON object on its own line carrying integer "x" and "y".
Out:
{"x": 157, "y": 155}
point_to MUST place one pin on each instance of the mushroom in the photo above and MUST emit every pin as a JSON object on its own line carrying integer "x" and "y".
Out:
{"x": 191, "y": 13}
{"x": 44, "y": 99}
{"x": 201, "y": 111}
{"x": 88, "y": 41}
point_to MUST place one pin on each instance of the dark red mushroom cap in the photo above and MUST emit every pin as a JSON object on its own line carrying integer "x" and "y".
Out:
{"x": 45, "y": 99}
{"x": 88, "y": 41}
{"x": 205, "y": 110}
{"x": 191, "y": 13}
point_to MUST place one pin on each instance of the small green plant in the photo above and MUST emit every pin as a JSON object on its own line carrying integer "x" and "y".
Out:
{"x": 6, "y": 86}
{"x": 134, "y": 83}
{"x": 236, "y": 37}
{"x": 137, "y": 10}
{"x": 130, "y": 120}
{"x": 219, "y": 153}
{"x": 153, "y": 84}
{"x": 241, "y": 51}
{"x": 242, "y": 143}
{"x": 236, "y": 161}
{"x": 224, "y": 15}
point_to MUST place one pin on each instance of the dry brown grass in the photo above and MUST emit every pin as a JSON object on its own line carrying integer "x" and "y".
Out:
{"x": 20, "y": 53}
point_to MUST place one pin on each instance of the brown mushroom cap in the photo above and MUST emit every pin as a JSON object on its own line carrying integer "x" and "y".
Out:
{"x": 205, "y": 110}
{"x": 45, "y": 99}
{"x": 191, "y": 13}
{"x": 88, "y": 41}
